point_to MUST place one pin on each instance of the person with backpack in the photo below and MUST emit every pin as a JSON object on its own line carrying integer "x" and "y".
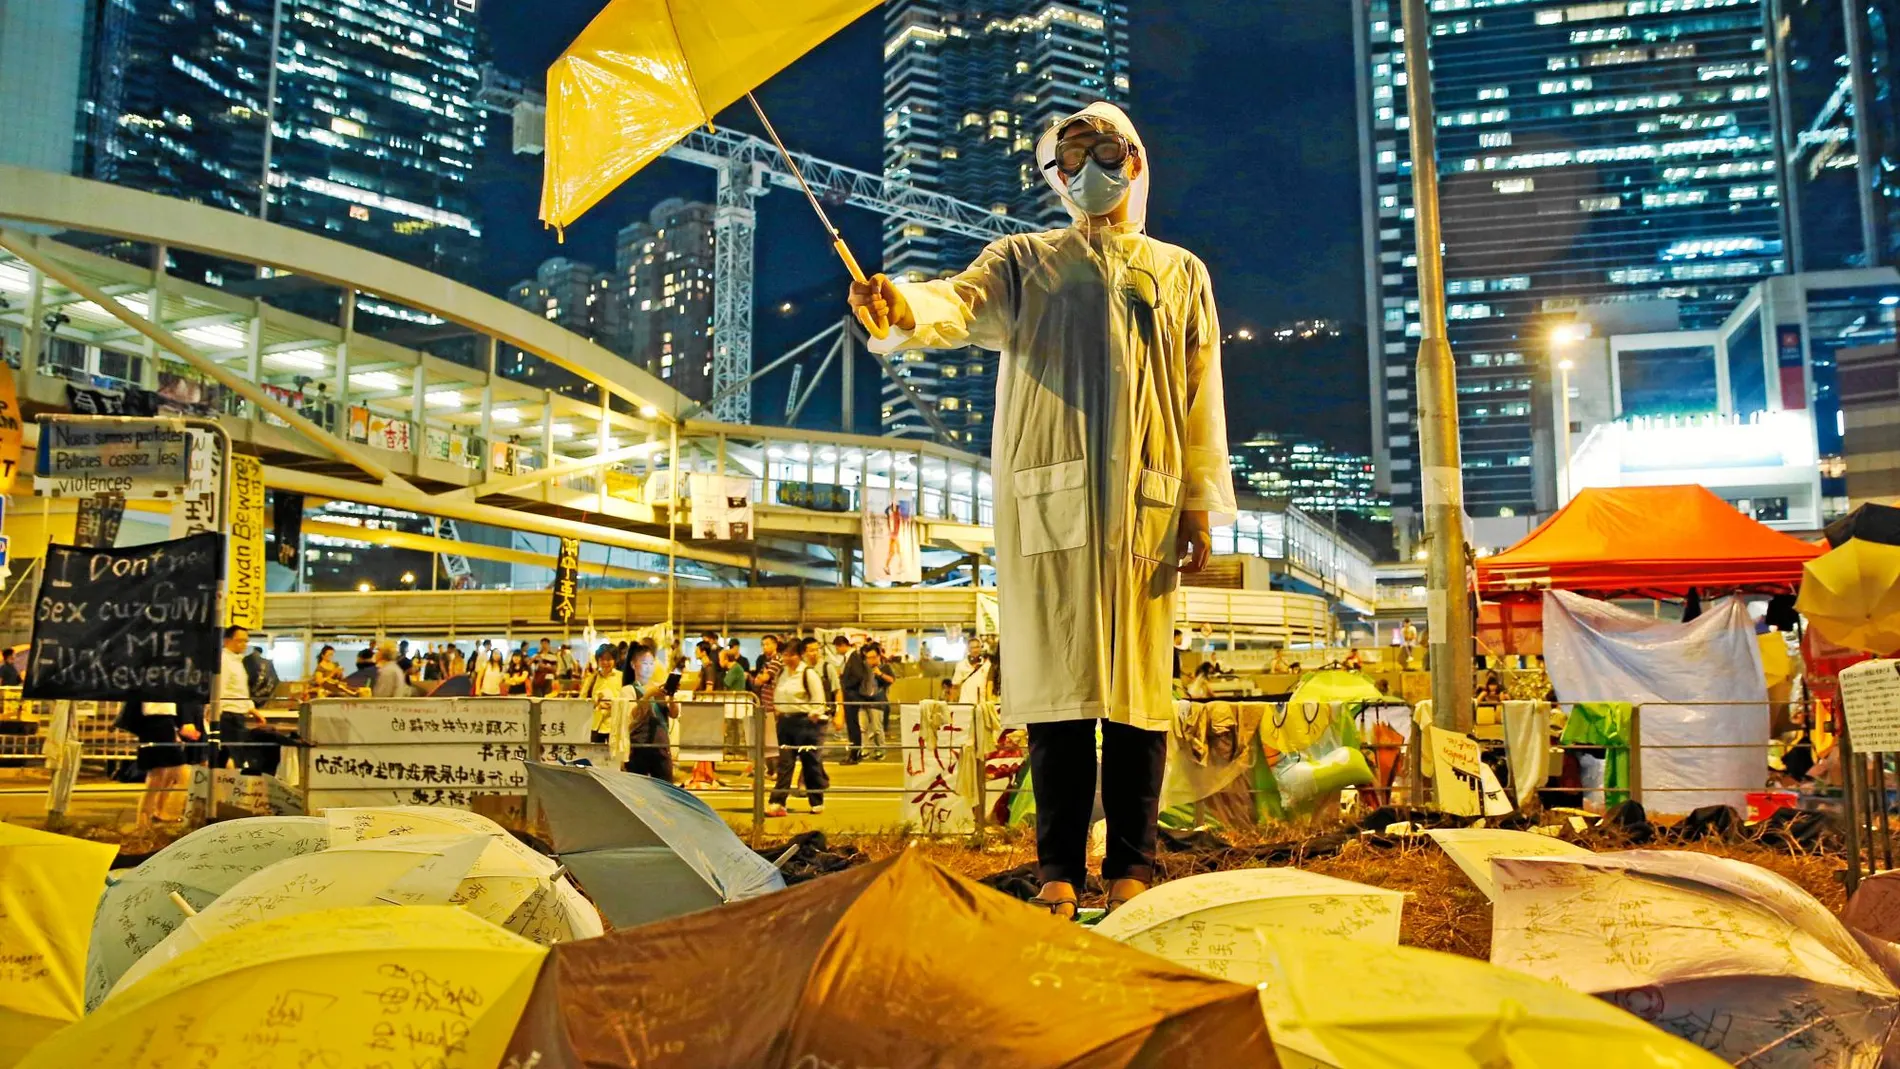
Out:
{"x": 801, "y": 708}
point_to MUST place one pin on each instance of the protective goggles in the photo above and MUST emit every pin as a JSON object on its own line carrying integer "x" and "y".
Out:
{"x": 1109, "y": 151}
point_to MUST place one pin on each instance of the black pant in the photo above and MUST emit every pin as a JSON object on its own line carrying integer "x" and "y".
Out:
{"x": 853, "y": 731}
{"x": 1062, "y": 773}
{"x": 799, "y": 737}
{"x": 651, "y": 754}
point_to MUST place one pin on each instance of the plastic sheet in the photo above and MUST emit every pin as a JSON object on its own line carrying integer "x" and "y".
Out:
{"x": 1597, "y": 652}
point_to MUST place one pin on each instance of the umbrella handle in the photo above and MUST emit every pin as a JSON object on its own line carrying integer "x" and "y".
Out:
{"x": 880, "y": 331}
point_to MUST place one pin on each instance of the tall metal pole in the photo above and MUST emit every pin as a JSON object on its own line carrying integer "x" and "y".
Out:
{"x": 1564, "y": 492}
{"x": 1447, "y": 583}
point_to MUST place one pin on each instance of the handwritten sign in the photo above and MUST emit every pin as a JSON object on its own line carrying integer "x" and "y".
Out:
{"x": 940, "y": 770}
{"x": 127, "y": 624}
{"x": 1457, "y": 772}
{"x": 244, "y": 600}
{"x": 1870, "y": 696}
{"x": 139, "y": 458}
{"x": 204, "y": 487}
{"x": 436, "y": 751}
{"x": 566, "y": 581}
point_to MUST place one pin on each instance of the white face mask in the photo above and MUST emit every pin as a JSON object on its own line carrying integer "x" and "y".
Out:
{"x": 1097, "y": 191}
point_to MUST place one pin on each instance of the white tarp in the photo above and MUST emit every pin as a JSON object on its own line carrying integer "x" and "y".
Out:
{"x": 1595, "y": 651}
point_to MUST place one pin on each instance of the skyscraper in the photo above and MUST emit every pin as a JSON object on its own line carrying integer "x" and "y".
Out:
{"x": 575, "y": 295}
{"x": 1601, "y": 152}
{"x": 969, "y": 85}
{"x": 1839, "y": 128}
{"x": 1309, "y": 473}
{"x": 373, "y": 131}
{"x": 42, "y": 53}
{"x": 663, "y": 278}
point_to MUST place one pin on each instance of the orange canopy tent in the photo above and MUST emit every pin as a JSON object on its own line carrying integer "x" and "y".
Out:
{"x": 1647, "y": 541}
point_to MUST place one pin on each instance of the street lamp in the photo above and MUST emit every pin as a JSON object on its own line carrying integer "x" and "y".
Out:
{"x": 1565, "y": 335}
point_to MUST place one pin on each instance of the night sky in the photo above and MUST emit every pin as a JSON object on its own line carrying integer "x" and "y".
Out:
{"x": 1246, "y": 107}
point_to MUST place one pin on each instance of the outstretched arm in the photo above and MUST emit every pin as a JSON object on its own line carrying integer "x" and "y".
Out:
{"x": 973, "y": 307}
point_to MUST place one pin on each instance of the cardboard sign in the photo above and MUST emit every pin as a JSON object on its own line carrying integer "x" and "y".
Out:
{"x": 1458, "y": 772}
{"x": 135, "y": 458}
{"x": 1870, "y": 697}
{"x": 128, "y": 624}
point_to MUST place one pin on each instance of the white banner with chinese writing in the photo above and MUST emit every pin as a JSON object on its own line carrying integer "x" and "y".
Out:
{"x": 722, "y": 507}
{"x": 941, "y": 763}
{"x": 892, "y": 551}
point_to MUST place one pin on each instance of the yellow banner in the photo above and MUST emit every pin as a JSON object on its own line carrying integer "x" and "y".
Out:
{"x": 244, "y": 591}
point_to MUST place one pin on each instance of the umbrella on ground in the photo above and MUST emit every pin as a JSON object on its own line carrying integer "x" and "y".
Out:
{"x": 1874, "y": 907}
{"x": 646, "y": 73}
{"x": 430, "y": 985}
{"x": 137, "y": 912}
{"x": 1731, "y": 957}
{"x": 1851, "y": 595}
{"x": 49, "y": 887}
{"x": 1407, "y": 1008}
{"x": 896, "y": 964}
{"x": 645, "y": 850}
{"x": 1472, "y": 849}
{"x": 510, "y": 884}
{"x": 413, "y": 871}
{"x": 1213, "y": 921}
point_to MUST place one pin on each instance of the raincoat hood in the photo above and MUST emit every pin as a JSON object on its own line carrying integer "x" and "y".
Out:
{"x": 1099, "y": 113}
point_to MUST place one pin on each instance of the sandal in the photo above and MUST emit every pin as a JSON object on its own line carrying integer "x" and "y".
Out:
{"x": 1057, "y": 898}
{"x": 1120, "y": 891}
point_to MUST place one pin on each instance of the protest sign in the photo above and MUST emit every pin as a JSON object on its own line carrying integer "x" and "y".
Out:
{"x": 1870, "y": 697}
{"x": 127, "y": 624}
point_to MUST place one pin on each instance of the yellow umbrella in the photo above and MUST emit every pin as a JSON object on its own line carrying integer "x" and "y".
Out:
{"x": 428, "y": 985}
{"x": 646, "y": 73}
{"x": 1351, "y": 1005}
{"x": 1212, "y": 922}
{"x": 49, "y": 887}
{"x": 413, "y": 871}
{"x": 1472, "y": 849}
{"x": 1851, "y": 595}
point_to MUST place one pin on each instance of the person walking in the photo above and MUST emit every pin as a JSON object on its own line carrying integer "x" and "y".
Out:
{"x": 802, "y": 713}
{"x": 1111, "y": 452}
{"x": 836, "y": 661}
{"x": 867, "y": 686}
{"x": 389, "y": 681}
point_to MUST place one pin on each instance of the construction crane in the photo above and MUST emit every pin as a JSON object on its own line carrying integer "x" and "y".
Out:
{"x": 749, "y": 167}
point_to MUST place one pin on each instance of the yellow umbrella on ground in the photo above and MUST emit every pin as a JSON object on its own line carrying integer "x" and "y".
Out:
{"x": 429, "y": 985}
{"x": 646, "y": 73}
{"x": 1350, "y": 1005}
{"x": 411, "y": 871}
{"x": 1472, "y": 849}
{"x": 1213, "y": 922}
{"x": 509, "y": 884}
{"x": 49, "y": 887}
{"x": 1851, "y": 595}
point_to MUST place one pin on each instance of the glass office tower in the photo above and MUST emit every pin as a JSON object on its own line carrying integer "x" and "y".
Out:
{"x": 1590, "y": 153}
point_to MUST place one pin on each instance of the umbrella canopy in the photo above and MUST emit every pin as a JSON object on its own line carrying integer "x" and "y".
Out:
{"x": 897, "y": 964}
{"x": 1214, "y": 921}
{"x": 1851, "y": 596}
{"x": 1335, "y": 685}
{"x": 1472, "y": 849}
{"x": 510, "y": 884}
{"x": 1407, "y": 1008}
{"x": 137, "y": 913}
{"x": 645, "y": 850}
{"x": 1874, "y": 907}
{"x": 1729, "y": 956}
{"x": 348, "y": 987}
{"x": 1870, "y": 523}
{"x": 389, "y": 872}
{"x": 49, "y": 887}
{"x": 645, "y": 73}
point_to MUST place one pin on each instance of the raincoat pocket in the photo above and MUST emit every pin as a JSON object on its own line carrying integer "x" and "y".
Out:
{"x": 1052, "y": 507}
{"x": 1155, "y": 499}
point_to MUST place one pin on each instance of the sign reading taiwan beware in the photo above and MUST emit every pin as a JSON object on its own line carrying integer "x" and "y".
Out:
{"x": 123, "y": 624}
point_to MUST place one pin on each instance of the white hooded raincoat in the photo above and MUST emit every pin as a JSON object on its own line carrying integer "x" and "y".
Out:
{"x": 1108, "y": 424}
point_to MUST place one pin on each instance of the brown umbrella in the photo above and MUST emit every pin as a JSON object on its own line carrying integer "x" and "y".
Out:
{"x": 902, "y": 963}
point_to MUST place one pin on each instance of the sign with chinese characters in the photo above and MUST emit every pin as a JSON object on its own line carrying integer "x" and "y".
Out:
{"x": 1457, "y": 772}
{"x": 383, "y": 432}
{"x": 722, "y": 507}
{"x": 127, "y": 624}
{"x": 1870, "y": 697}
{"x": 204, "y": 487}
{"x": 941, "y": 767}
{"x": 436, "y": 751}
{"x": 566, "y": 581}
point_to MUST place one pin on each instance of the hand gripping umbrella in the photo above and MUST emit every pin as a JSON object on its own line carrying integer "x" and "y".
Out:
{"x": 646, "y": 73}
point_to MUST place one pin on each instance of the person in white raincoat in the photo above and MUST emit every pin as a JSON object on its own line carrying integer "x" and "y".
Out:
{"x": 1110, "y": 462}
